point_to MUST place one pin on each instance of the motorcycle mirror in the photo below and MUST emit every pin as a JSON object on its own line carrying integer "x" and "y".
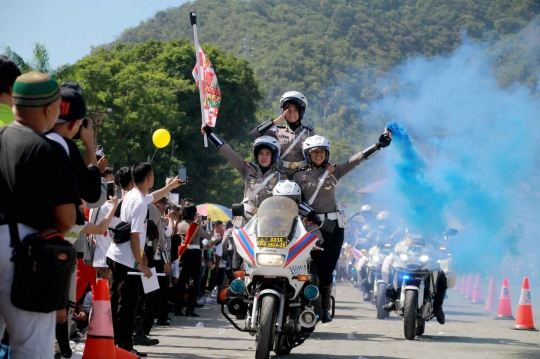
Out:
{"x": 451, "y": 232}
{"x": 327, "y": 225}
{"x": 238, "y": 210}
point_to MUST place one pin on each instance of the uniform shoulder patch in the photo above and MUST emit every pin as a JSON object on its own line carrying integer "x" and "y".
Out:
{"x": 247, "y": 164}
{"x": 281, "y": 126}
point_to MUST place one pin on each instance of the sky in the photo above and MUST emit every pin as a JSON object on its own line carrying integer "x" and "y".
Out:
{"x": 68, "y": 28}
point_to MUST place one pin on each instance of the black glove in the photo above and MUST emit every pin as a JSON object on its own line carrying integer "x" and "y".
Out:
{"x": 208, "y": 130}
{"x": 384, "y": 140}
{"x": 312, "y": 217}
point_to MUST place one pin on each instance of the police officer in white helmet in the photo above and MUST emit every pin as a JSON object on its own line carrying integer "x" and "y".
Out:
{"x": 291, "y": 134}
{"x": 318, "y": 183}
{"x": 260, "y": 176}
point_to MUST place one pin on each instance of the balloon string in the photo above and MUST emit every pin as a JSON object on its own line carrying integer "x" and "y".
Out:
{"x": 153, "y": 156}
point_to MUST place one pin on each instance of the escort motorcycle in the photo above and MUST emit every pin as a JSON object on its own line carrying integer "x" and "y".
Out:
{"x": 374, "y": 284}
{"x": 275, "y": 292}
{"x": 417, "y": 261}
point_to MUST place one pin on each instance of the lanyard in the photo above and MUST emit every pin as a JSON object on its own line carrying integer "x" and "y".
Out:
{"x": 293, "y": 144}
{"x": 257, "y": 190}
{"x": 321, "y": 181}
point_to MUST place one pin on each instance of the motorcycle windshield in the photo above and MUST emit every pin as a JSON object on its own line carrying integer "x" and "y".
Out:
{"x": 276, "y": 216}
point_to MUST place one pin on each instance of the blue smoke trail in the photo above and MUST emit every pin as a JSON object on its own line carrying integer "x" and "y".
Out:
{"x": 469, "y": 150}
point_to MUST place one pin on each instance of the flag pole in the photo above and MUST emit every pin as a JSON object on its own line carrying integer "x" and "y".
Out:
{"x": 193, "y": 19}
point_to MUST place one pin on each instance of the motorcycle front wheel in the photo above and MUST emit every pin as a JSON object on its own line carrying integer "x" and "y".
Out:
{"x": 410, "y": 312}
{"x": 265, "y": 332}
{"x": 381, "y": 301}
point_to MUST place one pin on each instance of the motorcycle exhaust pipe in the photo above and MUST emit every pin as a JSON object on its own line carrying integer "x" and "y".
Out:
{"x": 308, "y": 318}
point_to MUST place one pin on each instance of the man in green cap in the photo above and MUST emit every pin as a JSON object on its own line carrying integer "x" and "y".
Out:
{"x": 8, "y": 74}
{"x": 34, "y": 171}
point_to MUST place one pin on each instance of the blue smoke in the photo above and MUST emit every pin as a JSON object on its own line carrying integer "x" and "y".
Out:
{"x": 464, "y": 153}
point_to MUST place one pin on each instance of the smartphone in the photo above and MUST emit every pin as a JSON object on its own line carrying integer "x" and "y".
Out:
{"x": 119, "y": 193}
{"x": 182, "y": 173}
{"x": 110, "y": 189}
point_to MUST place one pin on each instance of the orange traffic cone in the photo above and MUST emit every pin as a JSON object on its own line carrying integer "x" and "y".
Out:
{"x": 505, "y": 306}
{"x": 463, "y": 284}
{"x": 492, "y": 295}
{"x": 100, "y": 338}
{"x": 469, "y": 288}
{"x": 124, "y": 354}
{"x": 524, "y": 316}
{"x": 456, "y": 287}
{"x": 477, "y": 297}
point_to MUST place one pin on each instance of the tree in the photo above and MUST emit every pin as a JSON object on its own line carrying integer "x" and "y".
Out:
{"x": 150, "y": 86}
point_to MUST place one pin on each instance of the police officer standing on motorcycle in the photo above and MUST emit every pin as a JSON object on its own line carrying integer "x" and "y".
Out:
{"x": 318, "y": 183}
{"x": 260, "y": 176}
{"x": 292, "y": 134}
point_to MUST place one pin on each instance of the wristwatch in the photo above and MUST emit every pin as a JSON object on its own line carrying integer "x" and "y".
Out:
{"x": 136, "y": 265}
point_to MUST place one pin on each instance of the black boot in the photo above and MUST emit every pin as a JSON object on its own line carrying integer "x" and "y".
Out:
{"x": 326, "y": 303}
{"x": 438, "y": 298}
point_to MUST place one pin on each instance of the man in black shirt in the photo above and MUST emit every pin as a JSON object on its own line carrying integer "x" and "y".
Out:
{"x": 35, "y": 173}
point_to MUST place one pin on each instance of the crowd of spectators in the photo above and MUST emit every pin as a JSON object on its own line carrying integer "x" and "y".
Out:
{"x": 114, "y": 220}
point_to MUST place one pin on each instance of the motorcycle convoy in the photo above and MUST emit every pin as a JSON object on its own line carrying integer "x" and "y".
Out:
{"x": 277, "y": 297}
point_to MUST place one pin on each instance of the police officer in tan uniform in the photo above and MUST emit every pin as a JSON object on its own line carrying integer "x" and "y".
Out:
{"x": 290, "y": 135}
{"x": 260, "y": 176}
{"x": 318, "y": 183}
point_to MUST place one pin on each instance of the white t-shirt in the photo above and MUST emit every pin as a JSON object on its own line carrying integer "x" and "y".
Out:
{"x": 175, "y": 272}
{"x": 134, "y": 210}
{"x": 57, "y": 138}
{"x": 219, "y": 247}
{"x": 103, "y": 241}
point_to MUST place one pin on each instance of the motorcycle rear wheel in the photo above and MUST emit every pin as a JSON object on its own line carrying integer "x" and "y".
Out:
{"x": 265, "y": 332}
{"x": 381, "y": 301}
{"x": 410, "y": 312}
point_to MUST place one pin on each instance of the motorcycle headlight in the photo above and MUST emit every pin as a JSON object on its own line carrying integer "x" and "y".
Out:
{"x": 424, "y": 258}
{"x": 403, "y": 256}
{"x": 376, "y": 258}
{"x": 270, "y": 260}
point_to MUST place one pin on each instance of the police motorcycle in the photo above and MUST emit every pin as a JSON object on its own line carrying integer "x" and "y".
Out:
{"x": 416, "y": 262}
{"x": 275, "y": 291}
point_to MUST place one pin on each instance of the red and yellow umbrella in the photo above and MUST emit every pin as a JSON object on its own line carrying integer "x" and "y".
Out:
{"x": 215, "y": 211}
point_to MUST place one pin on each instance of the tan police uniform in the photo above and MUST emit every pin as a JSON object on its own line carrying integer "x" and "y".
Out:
{"x": 253, "y": 177}
{"x": 325, "y": 206}
{"x": 325, "y": 202}
{"x": 294, "y": 159}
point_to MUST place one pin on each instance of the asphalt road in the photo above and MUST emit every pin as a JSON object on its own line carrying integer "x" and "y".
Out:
{"x": 469, "y": 332}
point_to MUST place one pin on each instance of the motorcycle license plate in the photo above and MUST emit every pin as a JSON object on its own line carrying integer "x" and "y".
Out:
{"x": 272, "y": 242}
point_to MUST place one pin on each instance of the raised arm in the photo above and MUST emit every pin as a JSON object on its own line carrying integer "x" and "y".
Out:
{"x": 226, "y": 151}
{"x": 264, "y": 128}
{"x": 92, "y": 228}
{"x": 346, "y": 167}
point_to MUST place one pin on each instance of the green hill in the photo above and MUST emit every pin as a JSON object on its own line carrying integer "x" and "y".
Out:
{"x": 335, "y": 51}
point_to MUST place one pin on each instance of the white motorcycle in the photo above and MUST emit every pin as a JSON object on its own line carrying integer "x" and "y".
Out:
{"x": 416, "y": 261}
{"x": 275, "y": 291}
{"x": 374, "y": 284}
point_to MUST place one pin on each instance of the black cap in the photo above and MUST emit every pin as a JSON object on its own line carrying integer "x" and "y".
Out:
{"x": 72, "y": 106}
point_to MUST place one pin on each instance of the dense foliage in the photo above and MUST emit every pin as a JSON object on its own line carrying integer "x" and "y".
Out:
{"x": 150, "y": 86}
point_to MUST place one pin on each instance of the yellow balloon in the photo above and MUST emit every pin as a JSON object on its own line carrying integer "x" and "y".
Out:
{"x": 161, "y": 138}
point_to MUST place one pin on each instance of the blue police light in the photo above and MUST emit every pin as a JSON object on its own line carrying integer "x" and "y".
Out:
{"x": 238, "y": 286}
{"x": 405, "y": 277}
{"x": 311, "y": 292}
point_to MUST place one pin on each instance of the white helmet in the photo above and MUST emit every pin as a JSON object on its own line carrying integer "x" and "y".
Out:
{"x": 269, "y": 142}
{"x": 295, "y": 97}
{"x": 288, "y": 189}
{"x": 365, "y": 208}
{"x": 314, "y": 142}
{"x": 382, "y": 215}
